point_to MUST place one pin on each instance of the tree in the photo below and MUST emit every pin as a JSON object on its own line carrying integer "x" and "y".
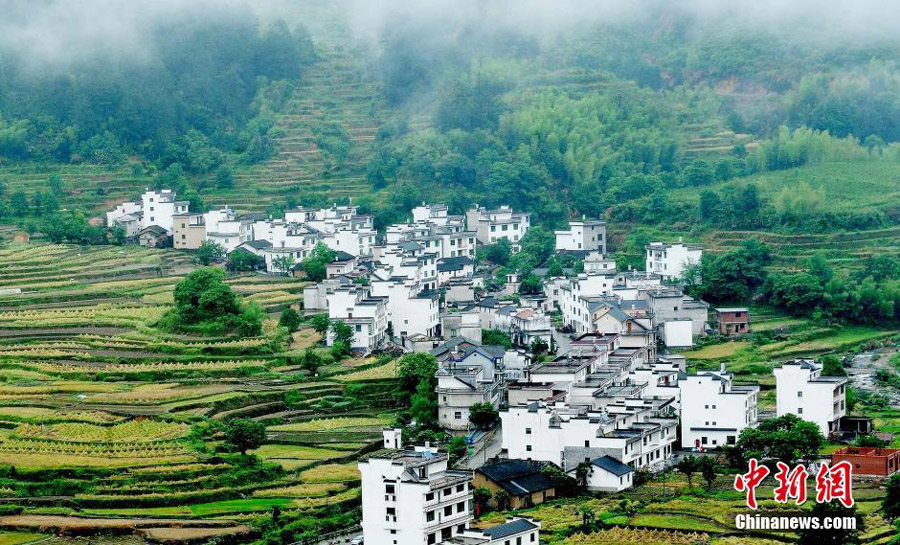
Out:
{"x": 709, "y": 205}
{"x": 501, "y": 499}
{"x": 735, "y": 275}
{"x": 311, "y": 361}
{"x": 891, "y": 502}
{"x": 423, "y": 406}
{"x": 203, "y": 300}
{"x": 698, "y": 173}
{"x": 18, "y": 202}
{"x": 415, "y": 368}
{"x": 56, "y": 184}
{"x": 209, "y": 252}
{"x": 224, "y": 177}
{"x": 787, "y": 438}
{"x": 495, "y": 337}
{"x": 457, "y": 448}
{"x": 708, "y": 469}
{"x": 539, "y": 347}
{"x": 870, "y": 441}
{"x": 242, "y": 260}
{"x": 831, "y": 536}
{"x": 832, "y": 367}
{"x": 688, "y": 465}
{"x": 283, "y": 264}
{"x": 588, "y": 518}
{"x": 316, "y": 264}
{"x": 320, "y": 323}
{"x": 482, "y": 498}
{"x": 343, "y": 333}
{"x": 497, "y": 253}
{"x": 244, "y": 434}
{"x": 483, "y": 415}
{"x": 289, "y": 319}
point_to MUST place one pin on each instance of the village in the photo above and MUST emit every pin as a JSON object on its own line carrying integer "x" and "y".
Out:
{"x": 591, "y": 382}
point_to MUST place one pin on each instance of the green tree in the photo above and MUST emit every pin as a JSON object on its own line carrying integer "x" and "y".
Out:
{"x": 457, "y": 449}
{"x": 787, "y": 438}
{"x": 242, "y": 260}
{"x": 588, "y": 518}
{"x": 311, "y": 361}
{"x": 698, "y": 173}
{"x": 315, "y": 264}
{"x": 343, "y": 334}
{"x": 18, "y": 203}
{"x": 320, "y": 323}
{"x": 482, "y": 498}
{"x": 416, "y": 368}
{"x": 688, "y": 465}
{"x": 501, "y": 500}
{"x": 244, "y": 434}
{"x": 708, "y": 469}
{"x": 283, "y": 264}
{"x": 832, "y": 366}
{"x": 209, "y": 252}
{"x": 289, "y": 319}
{"x": 495, "y": 337}
{"x": 56, "y": 184}
{"x": 483, "y": 415}
{"x": 497, "y": 253}
{"x": 224, "y": 177}
{"x": 423, "y": 406}
{"x": 821, "y": 536}
{"x": 890, "y": 504}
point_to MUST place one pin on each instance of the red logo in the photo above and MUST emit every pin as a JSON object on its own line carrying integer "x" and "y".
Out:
{"x": 832, "y": 483}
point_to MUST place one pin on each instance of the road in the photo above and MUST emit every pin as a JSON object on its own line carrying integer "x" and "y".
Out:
{"x": 489, "y": 447}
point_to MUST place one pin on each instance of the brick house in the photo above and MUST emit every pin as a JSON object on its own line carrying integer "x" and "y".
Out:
{"x": 881, "y": 462}
{"x": 733, "y": 321}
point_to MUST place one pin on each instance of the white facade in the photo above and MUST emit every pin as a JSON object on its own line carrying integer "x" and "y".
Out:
{"x": 159, "y": 207}
{"x": 802, "y": 390}
{"x": 669, "y": 260}
{"x": 714, "y": 411}
{"x": 596, "y": 262}
{"x": 492, "y": 226}
{"x": 638, "y": 437}
{"x": 676, "y": 333}
{"x": 583, "y": 236}
{"x": 412, "y": 497}
{"x": 366, "y": 315}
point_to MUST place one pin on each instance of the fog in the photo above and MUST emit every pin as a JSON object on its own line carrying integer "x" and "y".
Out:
{"x": 57, "y": 32}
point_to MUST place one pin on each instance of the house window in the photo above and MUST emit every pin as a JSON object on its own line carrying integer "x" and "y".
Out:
{"x": 800, "y": 393}
{"x": 703, "y": 440}
{"x": 448, "y": 510}
{"x": 460, "y": 487}
{"x": 527, "y": 431}
{"x": 432, "y": 538}
{"x": 429, "y": 516}
{"x": 460, "y": 507}
{"x": 800, "y": 410}
{"x": 527, "y": 448}
{"x": 457, "y": 415}
{"x": 429, "y": 496}
{"x": 389, "y": 489}
{"x": 587, "y": 443}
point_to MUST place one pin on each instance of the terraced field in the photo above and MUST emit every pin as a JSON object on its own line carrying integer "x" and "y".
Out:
{"x": 125, "y": 420}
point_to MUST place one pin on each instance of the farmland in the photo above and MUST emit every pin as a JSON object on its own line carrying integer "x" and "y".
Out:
{"x": 124, "y": 420}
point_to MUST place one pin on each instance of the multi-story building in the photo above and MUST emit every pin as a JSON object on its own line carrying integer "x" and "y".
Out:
{"x": 582, "y": 236}
{"x": 461, "y": 383}
{"x": 188, "y": 231}
{"x": 366, "y": 315}
{"x": 491, "y": 226}
{"x": 669, "y": 260}
{"x": 159, "y": 207}
{"x": 596, "y": 262}
{"x": 801, "y": 389}
{"x": 411, "y": 496}
{"x": 714, "y": 410}
{"x": 733, "y": 321}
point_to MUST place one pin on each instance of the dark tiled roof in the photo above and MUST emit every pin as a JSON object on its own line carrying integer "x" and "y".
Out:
{"x": 340, "y": 255}
{"x": 259, "y": 244}
{"x": 612, "y": 465}
{"x": 518, "y": 477}
{"x": 453, "y": 263}
{"x": 510, "y": 529}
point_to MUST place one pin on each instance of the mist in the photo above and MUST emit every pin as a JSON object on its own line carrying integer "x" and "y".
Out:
{"x": 54, "y": 33}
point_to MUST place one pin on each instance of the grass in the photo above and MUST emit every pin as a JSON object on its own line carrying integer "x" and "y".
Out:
{"x": 388, "y": 370}
{"x": 327, "y": 473}
{"x": 332, "y": 424}
{"x": 19, "y": 538}
{"x": 716, "y": 351}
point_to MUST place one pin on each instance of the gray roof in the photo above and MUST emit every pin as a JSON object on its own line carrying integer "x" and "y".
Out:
{"x": 510, "y": 529}
{"x": 258, "y": 244}
{"x": 612, "y": 465}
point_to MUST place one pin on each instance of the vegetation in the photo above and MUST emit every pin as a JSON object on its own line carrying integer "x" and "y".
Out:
{"x": 204, "y": 302}
{"x": 787, "y": 439}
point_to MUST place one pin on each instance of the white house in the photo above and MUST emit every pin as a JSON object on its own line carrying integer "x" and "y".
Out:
{"x": 159, "y": 207}
{"x": 463, "y": 382}
{"x": 491, "y": 226}
{"x": 411, "y": 496}
{"x": 366, "y": 315}
{"x": 582, "y": 236}
{"x": 714, "y": 410}
{"x": 596, "y": 262}
{"x": 802, "y": 390}
{"x": 669, "y": 260}
{"x": 640, "y": 436}
{"x": 608, "y": 475}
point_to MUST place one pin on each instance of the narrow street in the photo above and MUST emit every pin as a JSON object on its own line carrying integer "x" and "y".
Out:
{"x": 484, "y": 450}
